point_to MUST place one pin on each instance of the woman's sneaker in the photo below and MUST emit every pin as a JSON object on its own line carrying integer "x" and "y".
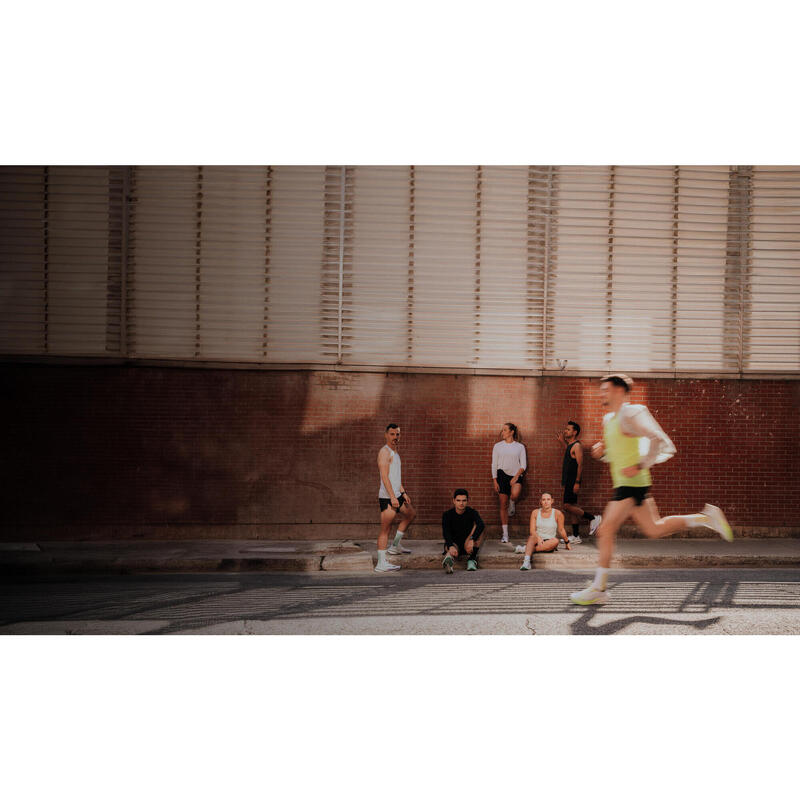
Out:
{"x": 595, "y": 524}
{"x": 397, "y": 550}
{"x": 386, "y": 567}
{"x": 526, "y": 564}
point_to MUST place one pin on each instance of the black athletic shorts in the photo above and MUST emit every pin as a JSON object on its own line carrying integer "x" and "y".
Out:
{"x": 570, "y": 496}
{"x": 504, "y": 482}
{"x": 385, "y": 502}
{"x": 460, "y": 544}
{"x": 638, "y": 493}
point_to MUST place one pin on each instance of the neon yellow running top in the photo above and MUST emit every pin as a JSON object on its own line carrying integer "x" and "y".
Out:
{"x": 623, "y": 451}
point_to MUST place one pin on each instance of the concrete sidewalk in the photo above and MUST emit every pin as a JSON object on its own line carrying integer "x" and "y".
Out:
{"x": 27, "y": 558}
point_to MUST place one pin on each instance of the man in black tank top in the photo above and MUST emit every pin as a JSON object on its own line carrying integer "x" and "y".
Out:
{"x": 571, "y": 471}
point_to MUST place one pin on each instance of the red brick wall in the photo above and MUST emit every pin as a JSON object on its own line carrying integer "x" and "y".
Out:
{"x": 156, "y": 452}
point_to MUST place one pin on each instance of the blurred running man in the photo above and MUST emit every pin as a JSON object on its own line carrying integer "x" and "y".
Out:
{"x": 547, "y": 525}
{"x": 571, "y": 472}
{"x": 393, "y": 501}
{"x": 509, "y": 463}
{"x": 625, "y": 427}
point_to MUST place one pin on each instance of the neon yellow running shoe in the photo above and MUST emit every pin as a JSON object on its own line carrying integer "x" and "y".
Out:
{"x": 590, "y": 596}
{"x": 718, "y": 522}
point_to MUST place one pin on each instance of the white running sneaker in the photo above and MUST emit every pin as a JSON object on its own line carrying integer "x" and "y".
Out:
{"x": 520, "y": 548}
{"x": 511, "y": 507}
{"x": 396, "y": 550}
{"x": 595, "y": 524}
{"x": 447, "y": 563}
{"x": 590, "y": 596}
{"x": 387, "y": 567}
{"x": 718, "y": 522}
{"x": 526, "y": 565}
{"x": 504, "y": 539}
{"x": 574, "y": 539}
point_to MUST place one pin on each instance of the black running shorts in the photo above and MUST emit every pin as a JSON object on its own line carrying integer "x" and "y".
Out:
{"x": 638, "y": 493}
{"x": 461, "y": 545}
{"x": 504, "y": 482}
{"x": 570, "y": 496}
{"x": 385, "y": 502}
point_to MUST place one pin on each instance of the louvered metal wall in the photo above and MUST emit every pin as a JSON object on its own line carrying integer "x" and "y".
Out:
{"x": 658, "y": 269}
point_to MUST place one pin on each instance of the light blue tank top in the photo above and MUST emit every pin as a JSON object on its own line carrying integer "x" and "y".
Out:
{"x": 546, "y": 527}
{"x": 394, "y": 475}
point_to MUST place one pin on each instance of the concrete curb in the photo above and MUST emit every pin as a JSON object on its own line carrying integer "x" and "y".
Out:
{"x": 205, "y": 556}
{"x": 552, "y": 561}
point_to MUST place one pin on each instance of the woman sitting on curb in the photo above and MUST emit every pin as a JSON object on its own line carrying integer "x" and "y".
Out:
{"x": 547, "y": 525}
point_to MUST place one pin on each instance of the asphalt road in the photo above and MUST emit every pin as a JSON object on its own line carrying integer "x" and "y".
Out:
{"x": 712, "y": 601}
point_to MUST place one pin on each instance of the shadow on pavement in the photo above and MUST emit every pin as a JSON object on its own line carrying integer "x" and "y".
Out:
{"x": 583, "y": 626}
{"x": 191, "y": 602}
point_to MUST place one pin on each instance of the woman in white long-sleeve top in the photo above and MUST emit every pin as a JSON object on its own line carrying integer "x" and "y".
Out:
{"x": 509, "y": 462}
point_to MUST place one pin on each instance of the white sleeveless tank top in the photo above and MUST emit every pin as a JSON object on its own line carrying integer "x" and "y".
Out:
{"x": 546, "y": 527}
{"x": 394, "y": 475}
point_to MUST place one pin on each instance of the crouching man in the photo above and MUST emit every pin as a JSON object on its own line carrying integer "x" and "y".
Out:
{"x": 463, "y": 531}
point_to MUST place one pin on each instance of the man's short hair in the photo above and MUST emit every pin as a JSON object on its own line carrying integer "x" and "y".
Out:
{"x": 575, "y": 425}
{"x": 457, "y": 492}
{"x": 391, "y": 425}
{"x": 618, "y": 379}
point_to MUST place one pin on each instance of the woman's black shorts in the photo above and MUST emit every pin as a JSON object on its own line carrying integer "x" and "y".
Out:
{"x": 504, "y": 482}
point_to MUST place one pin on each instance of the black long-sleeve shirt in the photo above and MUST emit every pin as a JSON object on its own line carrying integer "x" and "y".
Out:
{"x": 456, "y": 527}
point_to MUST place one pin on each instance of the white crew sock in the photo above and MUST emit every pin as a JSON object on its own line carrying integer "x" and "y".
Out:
{"x": 398, "y": 536}
{"x": 505, "y": 530}
{"x": 600, "y": 579}
{"x": 696, "y": 521}
{"x": 381, "y": 557}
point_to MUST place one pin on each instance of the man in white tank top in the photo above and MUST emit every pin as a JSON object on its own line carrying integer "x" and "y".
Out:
{"x": 394, "y": 502}
{"x": 547, "y": 525}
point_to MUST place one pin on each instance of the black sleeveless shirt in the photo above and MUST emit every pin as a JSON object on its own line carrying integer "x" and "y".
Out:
{"x": 569, "y": 469}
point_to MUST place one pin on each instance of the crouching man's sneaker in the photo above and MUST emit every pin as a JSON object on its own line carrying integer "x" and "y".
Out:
{"x": 447, "y": 563}
{"x": 472, "y": 564}
{"x": 590, "y": 596}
